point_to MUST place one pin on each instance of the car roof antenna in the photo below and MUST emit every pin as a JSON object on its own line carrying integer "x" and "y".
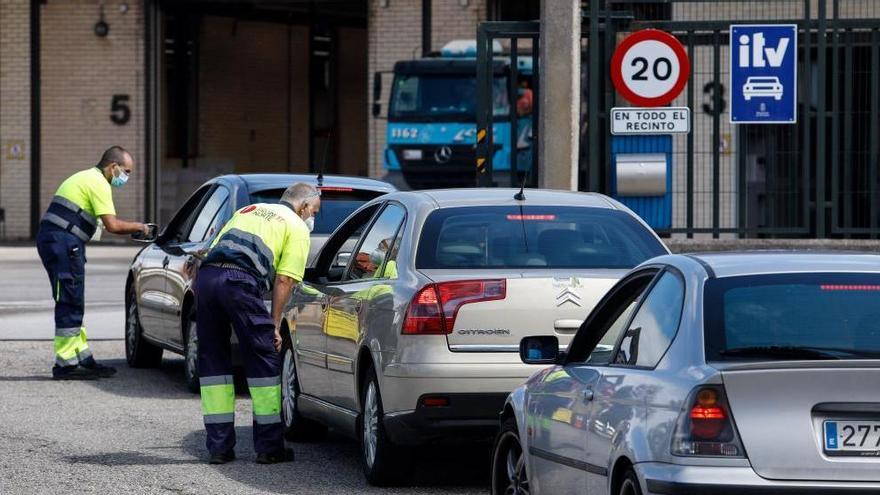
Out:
{"x": 324, "y": 159}
{"x": 520, "y": 196}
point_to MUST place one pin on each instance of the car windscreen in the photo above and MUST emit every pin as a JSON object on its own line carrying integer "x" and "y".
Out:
{"x": 337, "y": 203}
{"x": 446, "y": 96}
{"x": 482, "y": 237}
{"x": 793, "y": 316}
{"x": 763, "y": 79}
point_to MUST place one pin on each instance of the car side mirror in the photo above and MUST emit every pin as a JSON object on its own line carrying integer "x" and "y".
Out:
{"x": 542, "y": 349}
{"x": 148, "y": 238}
{"x": 341, "y": 259}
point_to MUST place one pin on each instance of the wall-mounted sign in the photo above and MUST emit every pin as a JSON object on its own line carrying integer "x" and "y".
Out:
{"x": 763, "y": 74}
{"x": 14, "y": 149}
{"x": 662, "y": 120}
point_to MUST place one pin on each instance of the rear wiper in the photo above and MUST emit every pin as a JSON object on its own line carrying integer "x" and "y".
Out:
{"x": 781, "y": 351}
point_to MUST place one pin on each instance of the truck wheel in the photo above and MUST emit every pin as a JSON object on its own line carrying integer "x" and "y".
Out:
{"x": 385, "y": 464}
{"x": 138, "y": 352}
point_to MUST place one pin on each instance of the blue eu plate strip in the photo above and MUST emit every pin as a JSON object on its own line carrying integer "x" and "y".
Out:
{"x": 831, "y": 435}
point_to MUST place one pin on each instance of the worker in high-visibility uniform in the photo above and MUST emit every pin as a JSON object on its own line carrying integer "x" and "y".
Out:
{"x": 262, "y": 247}
{"x": 70, "y": 221}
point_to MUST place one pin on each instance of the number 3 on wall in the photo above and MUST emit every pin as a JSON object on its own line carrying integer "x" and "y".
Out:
{"x": 120, "y": 112}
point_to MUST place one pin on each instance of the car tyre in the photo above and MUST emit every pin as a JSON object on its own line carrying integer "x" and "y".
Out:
{"x": 138, "y": 352}
{"x": 629, "y": 485}
{"x": 296, "y": 427}
{"x": 191, "y": 354}
{"x": 384, "y": 463}
{"x": 509, "y": 476}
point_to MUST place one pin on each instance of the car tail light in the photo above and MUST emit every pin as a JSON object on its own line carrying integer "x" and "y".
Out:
{"x": 705, "y": 427}
{"x": 433, "y": 309}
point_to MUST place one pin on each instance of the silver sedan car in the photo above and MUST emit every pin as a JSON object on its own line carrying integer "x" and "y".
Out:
{"x": 414, "y": 337}
{"x": 708, "y": 374}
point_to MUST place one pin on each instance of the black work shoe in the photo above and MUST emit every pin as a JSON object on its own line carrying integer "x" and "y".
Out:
{"x": 73, "y": 373}
{"x": 285, "y": 455}
{"x": 222, "y": 458}
{"x": 103, "y": 370}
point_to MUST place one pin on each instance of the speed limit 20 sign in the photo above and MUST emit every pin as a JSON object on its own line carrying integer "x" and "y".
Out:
{"x": 650, "y": 68}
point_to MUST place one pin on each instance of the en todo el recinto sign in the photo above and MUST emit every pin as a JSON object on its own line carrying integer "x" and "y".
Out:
{"x": 661, "y": 120}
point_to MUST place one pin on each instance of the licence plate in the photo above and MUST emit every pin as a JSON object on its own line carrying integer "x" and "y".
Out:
{"x": 859, "y": 438}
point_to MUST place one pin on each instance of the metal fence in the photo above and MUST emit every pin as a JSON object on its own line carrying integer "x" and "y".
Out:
{"x": 815, "y": 178}
{"x": 512, "y": 33}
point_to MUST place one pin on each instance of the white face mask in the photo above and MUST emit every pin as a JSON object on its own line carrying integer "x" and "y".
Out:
{"x": 310, "y": 223}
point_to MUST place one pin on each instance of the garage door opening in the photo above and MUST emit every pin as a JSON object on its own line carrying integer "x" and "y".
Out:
{"x": 253, "y": 87}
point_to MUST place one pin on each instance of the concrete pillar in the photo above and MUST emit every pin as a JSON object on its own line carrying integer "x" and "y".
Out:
{"x": 560, "y": 94}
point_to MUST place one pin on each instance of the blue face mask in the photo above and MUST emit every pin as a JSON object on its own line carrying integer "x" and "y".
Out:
{"x": 119, "y": 180}
{"x": 534, "y": 354}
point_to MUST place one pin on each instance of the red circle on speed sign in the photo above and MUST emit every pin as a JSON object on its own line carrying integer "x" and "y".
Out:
{"x": 650, "y": 68}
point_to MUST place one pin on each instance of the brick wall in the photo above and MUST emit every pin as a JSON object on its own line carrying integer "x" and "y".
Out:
{"x": 80, "y": 74}
{"x": 452, "y": 21}
{"x": 395, "y": 33}
{"x": 15, "y": 121}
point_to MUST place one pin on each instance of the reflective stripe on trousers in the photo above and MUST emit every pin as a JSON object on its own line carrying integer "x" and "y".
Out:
{"x": 218, "y": 399}
{"x": 266, "y": 396}
{"x": 71, "y": 346}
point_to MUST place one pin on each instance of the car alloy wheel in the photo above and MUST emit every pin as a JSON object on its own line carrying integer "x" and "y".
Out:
{"x": 191, "y": 364}
{"x": 510, "y": 476}
{"x": 370, "y": 424}
{"x": 131, "y": 330}
{"x": 630, "y": 484}
{"x": 138, "y": 352}
{"x": 627, "y": 487}
{"x": 288, "y": 390}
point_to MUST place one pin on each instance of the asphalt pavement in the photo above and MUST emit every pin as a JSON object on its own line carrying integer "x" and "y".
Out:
{"x": 26, "y": 306}
{"x": 141, "y": 431}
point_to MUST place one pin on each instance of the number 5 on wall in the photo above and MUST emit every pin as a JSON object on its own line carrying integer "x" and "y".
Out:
{"x": 120, "y": 113}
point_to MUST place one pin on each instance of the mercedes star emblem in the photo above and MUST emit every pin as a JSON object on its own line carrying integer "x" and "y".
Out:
{"x": 443, "y": 154}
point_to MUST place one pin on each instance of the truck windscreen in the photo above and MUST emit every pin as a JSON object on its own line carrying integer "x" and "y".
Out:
{"x": 442, "y": 97}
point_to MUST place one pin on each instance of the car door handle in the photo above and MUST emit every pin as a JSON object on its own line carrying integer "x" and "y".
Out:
{"x": 588, "y": 394}
{"x": 567, "y": 325}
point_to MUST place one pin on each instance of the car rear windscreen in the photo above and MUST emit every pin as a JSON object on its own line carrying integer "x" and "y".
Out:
{"x": 336, "y": 204}
{"x": 793, "y": 316}
{"x": 533, "y": 237}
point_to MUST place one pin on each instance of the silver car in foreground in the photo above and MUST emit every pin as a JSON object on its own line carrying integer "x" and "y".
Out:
{"x": 415, "y": 339}
{"x": 708, "y": 374}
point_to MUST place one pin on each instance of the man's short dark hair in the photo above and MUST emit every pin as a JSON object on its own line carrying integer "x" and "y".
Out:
{"x": 114, "y": 154}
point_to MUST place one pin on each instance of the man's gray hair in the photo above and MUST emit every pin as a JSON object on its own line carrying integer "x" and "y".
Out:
{"x": 299, "y": 193}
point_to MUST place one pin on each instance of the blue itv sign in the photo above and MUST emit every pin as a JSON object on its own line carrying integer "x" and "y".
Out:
{"x": 763, "y": 74}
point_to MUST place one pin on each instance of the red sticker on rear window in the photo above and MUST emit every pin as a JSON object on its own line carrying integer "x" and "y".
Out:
{"x": 531, "y": 217}
{"x": 850, "y": 287}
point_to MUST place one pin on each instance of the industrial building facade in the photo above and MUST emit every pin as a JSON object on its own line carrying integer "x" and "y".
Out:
{"x": 199, "y": 88}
